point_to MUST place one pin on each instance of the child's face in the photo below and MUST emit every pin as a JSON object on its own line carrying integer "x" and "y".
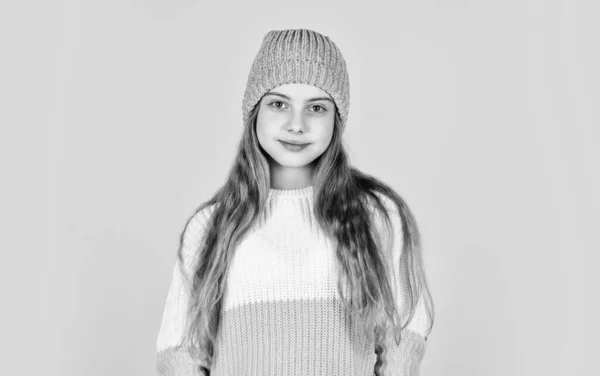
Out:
{"x": 296, "y": 118}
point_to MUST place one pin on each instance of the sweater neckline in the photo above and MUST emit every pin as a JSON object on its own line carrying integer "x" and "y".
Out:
{"x": 296, "y": 192}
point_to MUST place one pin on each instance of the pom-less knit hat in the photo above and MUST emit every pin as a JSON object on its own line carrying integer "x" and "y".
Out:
{"x": 298, "y": 56}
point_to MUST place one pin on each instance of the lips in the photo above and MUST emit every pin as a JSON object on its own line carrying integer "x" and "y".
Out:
{"x": 294, "y": 142}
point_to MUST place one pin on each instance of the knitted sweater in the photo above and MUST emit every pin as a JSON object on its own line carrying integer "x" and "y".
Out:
{"x": 281, "y": 312}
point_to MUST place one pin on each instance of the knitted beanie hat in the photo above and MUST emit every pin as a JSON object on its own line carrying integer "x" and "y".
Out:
{"x": 298, "y": 56}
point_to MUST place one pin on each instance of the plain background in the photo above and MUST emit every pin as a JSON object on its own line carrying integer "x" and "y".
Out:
{"x": 120, "y": 117}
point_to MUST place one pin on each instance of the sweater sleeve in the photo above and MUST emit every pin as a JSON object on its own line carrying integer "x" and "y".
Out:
{"x": 172, "y": 360}
{"x": 403, "y": 359}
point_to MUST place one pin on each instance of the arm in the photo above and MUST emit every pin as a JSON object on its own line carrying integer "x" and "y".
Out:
{"x": 403, "y": 359}
{"x": 170, "y": 360}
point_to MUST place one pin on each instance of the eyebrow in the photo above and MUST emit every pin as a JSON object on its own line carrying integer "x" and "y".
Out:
{"x": 308, "y": 100}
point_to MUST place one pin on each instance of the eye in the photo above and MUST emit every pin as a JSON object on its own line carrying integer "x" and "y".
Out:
{"x": 323, "y": 109}
{"x": 273, "y": 104}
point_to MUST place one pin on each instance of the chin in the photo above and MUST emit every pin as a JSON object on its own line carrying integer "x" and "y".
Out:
{"x": 294, "y": 160}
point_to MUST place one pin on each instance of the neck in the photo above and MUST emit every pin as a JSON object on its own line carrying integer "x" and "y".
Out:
{"x": 283, "y": 177}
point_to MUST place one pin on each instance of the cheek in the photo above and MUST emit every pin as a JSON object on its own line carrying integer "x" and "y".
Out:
{"x": 266, "y": 120}
{"x": 262, "y": 138}
{"x": 266, "y": 134}
{"x": 262, "y": 128}
{"x": 326, "y": 133}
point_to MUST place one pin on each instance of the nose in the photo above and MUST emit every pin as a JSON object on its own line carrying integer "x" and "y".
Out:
{"x": 296, "y": 124}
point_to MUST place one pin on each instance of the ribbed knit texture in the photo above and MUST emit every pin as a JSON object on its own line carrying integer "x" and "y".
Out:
{"x": 298, "y": 56}
{"x": 281, "y": 313}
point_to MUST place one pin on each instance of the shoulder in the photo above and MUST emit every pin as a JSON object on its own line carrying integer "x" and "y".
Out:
{"x": 387, "y": 209}
{"x": 387, "y": 202}
{"x": 392, "y": 229}
{"x": 197, "y": 223}
{"x": 194, "y": 231}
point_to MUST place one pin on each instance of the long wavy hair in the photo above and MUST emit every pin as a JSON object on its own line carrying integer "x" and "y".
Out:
{"x": 343, "y": 197}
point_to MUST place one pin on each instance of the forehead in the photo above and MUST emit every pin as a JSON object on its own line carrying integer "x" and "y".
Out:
{"x": 300, "y": 90}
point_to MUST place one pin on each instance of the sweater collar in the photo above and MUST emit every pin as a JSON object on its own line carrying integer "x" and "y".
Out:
{"x": 297, "y": 192}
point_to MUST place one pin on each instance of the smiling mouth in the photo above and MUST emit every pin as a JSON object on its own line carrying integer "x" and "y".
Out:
{"x": 293, "y": 143}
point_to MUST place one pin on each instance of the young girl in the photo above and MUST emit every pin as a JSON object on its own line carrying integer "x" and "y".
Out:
{"x": 300, "y": 264}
